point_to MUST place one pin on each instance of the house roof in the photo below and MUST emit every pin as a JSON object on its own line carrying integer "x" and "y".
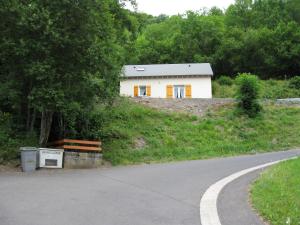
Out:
{"x": 191, "y": 69}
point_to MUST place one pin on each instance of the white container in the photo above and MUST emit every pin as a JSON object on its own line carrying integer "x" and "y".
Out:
{"x": 51, "y": 158}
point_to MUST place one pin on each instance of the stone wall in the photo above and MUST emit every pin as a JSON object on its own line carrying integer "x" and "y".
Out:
{"x": 192, "y": 106}
{"x": 82, "y": 160}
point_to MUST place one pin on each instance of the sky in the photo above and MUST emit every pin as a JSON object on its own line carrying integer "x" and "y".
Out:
{"x": 173, "y": 7}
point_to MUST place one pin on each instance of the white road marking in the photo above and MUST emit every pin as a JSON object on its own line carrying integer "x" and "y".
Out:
{"x": 208, "y": 204}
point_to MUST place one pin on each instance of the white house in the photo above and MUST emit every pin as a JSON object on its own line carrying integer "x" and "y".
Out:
{"x": 167, "y": 81}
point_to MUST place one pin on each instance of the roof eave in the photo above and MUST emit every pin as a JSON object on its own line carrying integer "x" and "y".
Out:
{"x": 165, "y": 76}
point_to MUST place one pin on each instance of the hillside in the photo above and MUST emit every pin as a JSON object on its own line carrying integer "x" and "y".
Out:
{"x": 140, "y": 134}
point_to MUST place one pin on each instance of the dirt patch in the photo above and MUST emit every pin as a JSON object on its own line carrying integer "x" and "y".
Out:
{"x": 139, "y": 143}
{"x": 10, "y": 167}
{"x": 192, "y": 106}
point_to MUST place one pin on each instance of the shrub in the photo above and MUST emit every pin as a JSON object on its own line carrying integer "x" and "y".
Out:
{"x": 223, "y": 80}
{"x": 5, "y": 128}
{"x": 6, "y": 153}
{"x": 11, "y": 140}
{"x": 295, "y": 82}
{"x": 223, "y": 91}
{"x": 248, "y": 94}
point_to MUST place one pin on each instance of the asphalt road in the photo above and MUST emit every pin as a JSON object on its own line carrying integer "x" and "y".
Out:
{"x": 158, "y": 194}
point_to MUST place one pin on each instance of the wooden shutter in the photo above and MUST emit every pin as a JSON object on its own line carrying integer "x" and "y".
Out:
{"x": 169, "y": 91}
{"x": 148, "y": 91}
{"x": 188, "y": 91}
{"x": 136, "y": 91}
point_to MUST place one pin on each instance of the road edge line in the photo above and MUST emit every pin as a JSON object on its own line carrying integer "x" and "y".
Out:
{"x": 208, "y": 204}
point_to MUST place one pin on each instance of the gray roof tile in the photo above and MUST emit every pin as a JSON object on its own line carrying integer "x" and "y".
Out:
{"x": 192, "y": 69}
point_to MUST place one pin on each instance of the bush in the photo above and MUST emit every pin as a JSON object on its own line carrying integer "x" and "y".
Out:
{"x": 5, "y": 128}
{"x": 6, "y": 153}
{"x": 295, "y": 82}
{"x": 223, "y": 80}
{"x": 223, "y": 91}
{"x": 11, "y": 140}
{"x": 248, "y": 94}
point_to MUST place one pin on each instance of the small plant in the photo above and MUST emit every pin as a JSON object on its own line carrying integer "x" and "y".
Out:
{"x": 223, "y": 80}
{"x": 295, "y": 82}
{"x": 248, "y": 94}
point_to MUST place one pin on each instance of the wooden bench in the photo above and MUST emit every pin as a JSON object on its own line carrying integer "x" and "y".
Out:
{"x": 77, "y": 145}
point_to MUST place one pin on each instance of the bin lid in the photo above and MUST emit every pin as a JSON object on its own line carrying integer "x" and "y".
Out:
{"x": 28, "y": 149}
{"x": 51, "y": 149}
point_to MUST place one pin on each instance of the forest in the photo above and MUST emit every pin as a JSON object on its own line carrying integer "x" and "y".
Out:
{"x": 61, "y": 60}
{"x": 260, "y": 37}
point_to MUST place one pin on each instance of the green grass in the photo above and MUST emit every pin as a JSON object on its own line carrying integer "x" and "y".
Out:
{"x": 173, "y": 137}
{"x": 276, "y": 194}
{"x": 270, "y": 89}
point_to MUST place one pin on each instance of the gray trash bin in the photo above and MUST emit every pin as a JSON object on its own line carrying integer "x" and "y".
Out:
{"x": 28, "y": 159}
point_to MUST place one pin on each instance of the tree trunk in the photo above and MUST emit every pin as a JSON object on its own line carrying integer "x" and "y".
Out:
{"x": 46, "y": 122}
{"x": 28, "y": 118}
{"x": 61, "y": 126}
{"x": 32, "y": 122}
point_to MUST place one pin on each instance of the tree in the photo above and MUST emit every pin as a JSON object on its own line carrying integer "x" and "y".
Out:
{"x": 260, "y": 37}
{"x": 200, "y": 38}
{"x": 156, "y": 43}
{"x": 215, "y": 11}
{"x": 239, "y": 14}
{"x": 58, "y": 54}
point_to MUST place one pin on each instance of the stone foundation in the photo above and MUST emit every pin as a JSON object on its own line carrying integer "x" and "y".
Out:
{"x": 82, "y": 160}
{"x": 193, "y": 106}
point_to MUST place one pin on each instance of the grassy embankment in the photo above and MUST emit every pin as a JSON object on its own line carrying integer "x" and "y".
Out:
{"x": 137, "y": 134}
{"x": 271, "y": 89}
{"x": 276, "y": 194}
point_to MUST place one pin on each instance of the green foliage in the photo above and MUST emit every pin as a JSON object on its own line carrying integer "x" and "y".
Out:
{"x": 5, "y": 128}
{"x": 276, "y": 194}
{"x": 224, "y": 80}
{"x": 10, "y": 141}
{"x": 243, "y": 39}
{"x": 295, "y": 82}
{"x": 248, "y": 94}
{"x": 173, "y": 136}
{"x": 59, "y": 57}
{"x": 223, "y": 91}
{"x": 270, "y": 89}
{"x": 278, "y": 89}
{"x": 157, "y": 41}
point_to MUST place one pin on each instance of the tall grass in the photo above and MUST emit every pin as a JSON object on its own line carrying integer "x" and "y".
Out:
{"x": 170, "y": 137}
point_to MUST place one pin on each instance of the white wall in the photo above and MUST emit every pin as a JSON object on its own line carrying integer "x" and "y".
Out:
{"x": 201, "y": 86}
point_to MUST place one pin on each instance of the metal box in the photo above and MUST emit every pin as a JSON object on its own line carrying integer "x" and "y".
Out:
{"x": 51, "y": 158}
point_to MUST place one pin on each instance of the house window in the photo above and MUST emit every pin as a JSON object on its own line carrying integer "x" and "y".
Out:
{"x": 143, "y": 91}
{"x": 179, "y": 91}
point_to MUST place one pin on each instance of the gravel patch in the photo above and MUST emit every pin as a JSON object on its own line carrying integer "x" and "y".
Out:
{"x": 193, "y": 106}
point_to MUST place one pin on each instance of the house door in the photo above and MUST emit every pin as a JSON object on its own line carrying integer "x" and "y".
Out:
{"x": 179, "y": 91}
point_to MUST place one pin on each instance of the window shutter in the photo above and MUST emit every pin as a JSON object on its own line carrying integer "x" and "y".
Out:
{"x": 188, "y": 91}
{"x": 136, "y": 91}
{"x": 148, "y": 91}
{"x": 169, "y": 91}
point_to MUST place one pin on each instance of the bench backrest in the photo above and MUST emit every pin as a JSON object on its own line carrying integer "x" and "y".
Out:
{"x": 78, "y": 145}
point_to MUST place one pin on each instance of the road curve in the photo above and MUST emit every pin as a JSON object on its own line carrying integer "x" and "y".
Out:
{"x": 157, "y": 194}
{"x": 209, "y": 214}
